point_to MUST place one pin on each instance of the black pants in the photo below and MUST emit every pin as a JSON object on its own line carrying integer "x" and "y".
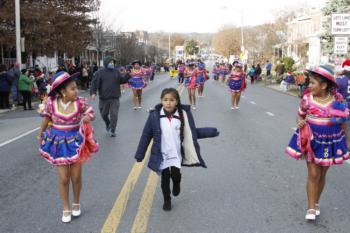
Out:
{"x": 167, "y": 174}
{"x": 4, "y": 100}
{"x": 27, "y": 99}
{"x": 109, "y": 109}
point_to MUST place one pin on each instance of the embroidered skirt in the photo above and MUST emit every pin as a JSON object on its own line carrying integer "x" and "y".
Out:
{"x": 235, "y": 85}
{"x": 63, "y": 147}
{"x": 328, "y": 144}
{"x": 137, "y": 83}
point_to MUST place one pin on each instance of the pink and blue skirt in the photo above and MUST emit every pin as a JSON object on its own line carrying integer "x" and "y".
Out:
{"x": 235, "y": 85}
{"x": 137, "y": 83}
{"x": 328, "y": 143}
{"x": 200, "y": 80}
{"x": 191, "y": 83}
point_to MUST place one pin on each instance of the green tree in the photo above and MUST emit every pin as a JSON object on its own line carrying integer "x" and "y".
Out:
{"x": 288, "y": 63}
{"x": 49, "y": 26}
{"x": 192, "y": 47}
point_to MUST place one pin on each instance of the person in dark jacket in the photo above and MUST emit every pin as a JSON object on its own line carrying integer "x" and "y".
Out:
{"x": 107, "y": 83}
{"x": 5, "y": 87}
{"x": 172, "y": 128}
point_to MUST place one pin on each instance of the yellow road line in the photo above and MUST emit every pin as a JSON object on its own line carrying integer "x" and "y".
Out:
{"x": 141, "y": 220}
{"x": 112, "y": 222}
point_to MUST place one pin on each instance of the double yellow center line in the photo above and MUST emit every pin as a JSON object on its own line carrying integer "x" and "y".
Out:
{"x": 141, "y": 220}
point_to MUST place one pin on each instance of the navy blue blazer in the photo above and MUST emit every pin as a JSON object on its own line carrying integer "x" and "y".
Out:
{"x": 152, "y": 130}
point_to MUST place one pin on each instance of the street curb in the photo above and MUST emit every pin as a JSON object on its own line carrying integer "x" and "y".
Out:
{"x": 277, "y": 90}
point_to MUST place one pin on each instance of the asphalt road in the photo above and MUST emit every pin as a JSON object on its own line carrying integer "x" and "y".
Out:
{"x": 250, "y": 185}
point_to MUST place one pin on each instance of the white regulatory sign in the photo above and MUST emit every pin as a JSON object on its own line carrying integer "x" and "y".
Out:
{"x": 340, "y": 45}
{"x": 341, "y": 24}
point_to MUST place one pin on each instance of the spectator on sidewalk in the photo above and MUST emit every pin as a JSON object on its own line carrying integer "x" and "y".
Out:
{"x": 258, "y": 72}
{"x": 251, "y": 74}
{"x": 5, "y": 87}
{"x": 280, "y": 69}
{"x": 15, "y": 73}
{"x": 25, "y": 86}
{"x": 289, "y": 80}
{"x": 268, "y": 68}
{"x": 343, "y": 81}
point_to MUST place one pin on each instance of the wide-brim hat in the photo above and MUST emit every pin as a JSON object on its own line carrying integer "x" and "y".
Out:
{"x": 323, "y": 71}
{"x": 238, "y": 65}
{"x": 136, "y": 61}
{"x": 60, "y": 78}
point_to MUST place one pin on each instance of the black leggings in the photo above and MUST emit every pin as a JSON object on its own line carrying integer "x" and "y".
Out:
{"x": 167, "y": 174}
{"x": 4, "y": 99}
{"x": 27, "y": 99}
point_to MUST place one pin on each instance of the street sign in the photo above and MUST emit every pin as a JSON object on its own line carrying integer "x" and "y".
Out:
{"x": 340, "y": 45}
{"x": 341, "y": 24}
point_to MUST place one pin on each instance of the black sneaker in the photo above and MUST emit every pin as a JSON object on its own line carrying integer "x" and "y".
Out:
{"x": 108, "y": 129}
{"x": 112, "y": 134}
{"x": 167, "y": 205}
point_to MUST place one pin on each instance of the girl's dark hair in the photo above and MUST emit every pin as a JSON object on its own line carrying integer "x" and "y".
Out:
{"x": 330, "y": 85}
{"x": 63, "y": 86}
{"x": 176, "y": 94}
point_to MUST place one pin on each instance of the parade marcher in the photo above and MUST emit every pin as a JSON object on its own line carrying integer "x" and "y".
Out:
{"x": 68, "y": 141}
{"x": 172, "y": 128}
{"x": 223, "y": 71}
{"x": 124, "y": 86}
{"x": 147, "y": 72}
{"x": 107, "y": 82}
{"x": 137, "y": 83}
{"x": 322, "y": 135}
{"x": 181, "y": 72}
{"x": 344, "y": 81}
{"x": 202, "y": 76}
{"x": 5, "y": 87}
{"x": 25, "y": 87}
{"x": 154, "y": 70}
{"x": 215, "y": 71}
{"x": 237, "y": 84}
{"x": 191, "y": 83}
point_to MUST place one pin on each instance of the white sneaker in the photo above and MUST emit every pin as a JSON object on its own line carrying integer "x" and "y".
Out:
{"x": 76, "y": 213}
{"x": 233, "y": 108}
{"x": 66, "y": 218}
{"x": 318, "y": 210}
{"x": 139, "y": 107}
{"x": 134, "y": 107}
{"x": 194, "y": 107}
{"x": 310, "y": 215}
{"x": 237, "y": 107}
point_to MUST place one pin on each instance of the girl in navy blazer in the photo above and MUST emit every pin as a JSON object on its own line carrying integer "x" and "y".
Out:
{"x": 174, "y": 134}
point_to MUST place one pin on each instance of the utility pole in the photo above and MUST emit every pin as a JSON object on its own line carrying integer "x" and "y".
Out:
{"x": 18, "y": 34}
{"x": 169, "y": 46}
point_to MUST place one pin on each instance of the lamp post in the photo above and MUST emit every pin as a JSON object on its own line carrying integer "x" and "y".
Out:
{"x": 18, "y": 33}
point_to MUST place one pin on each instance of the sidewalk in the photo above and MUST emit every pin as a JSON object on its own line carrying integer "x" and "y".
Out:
{"x": 293, "y": 91}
